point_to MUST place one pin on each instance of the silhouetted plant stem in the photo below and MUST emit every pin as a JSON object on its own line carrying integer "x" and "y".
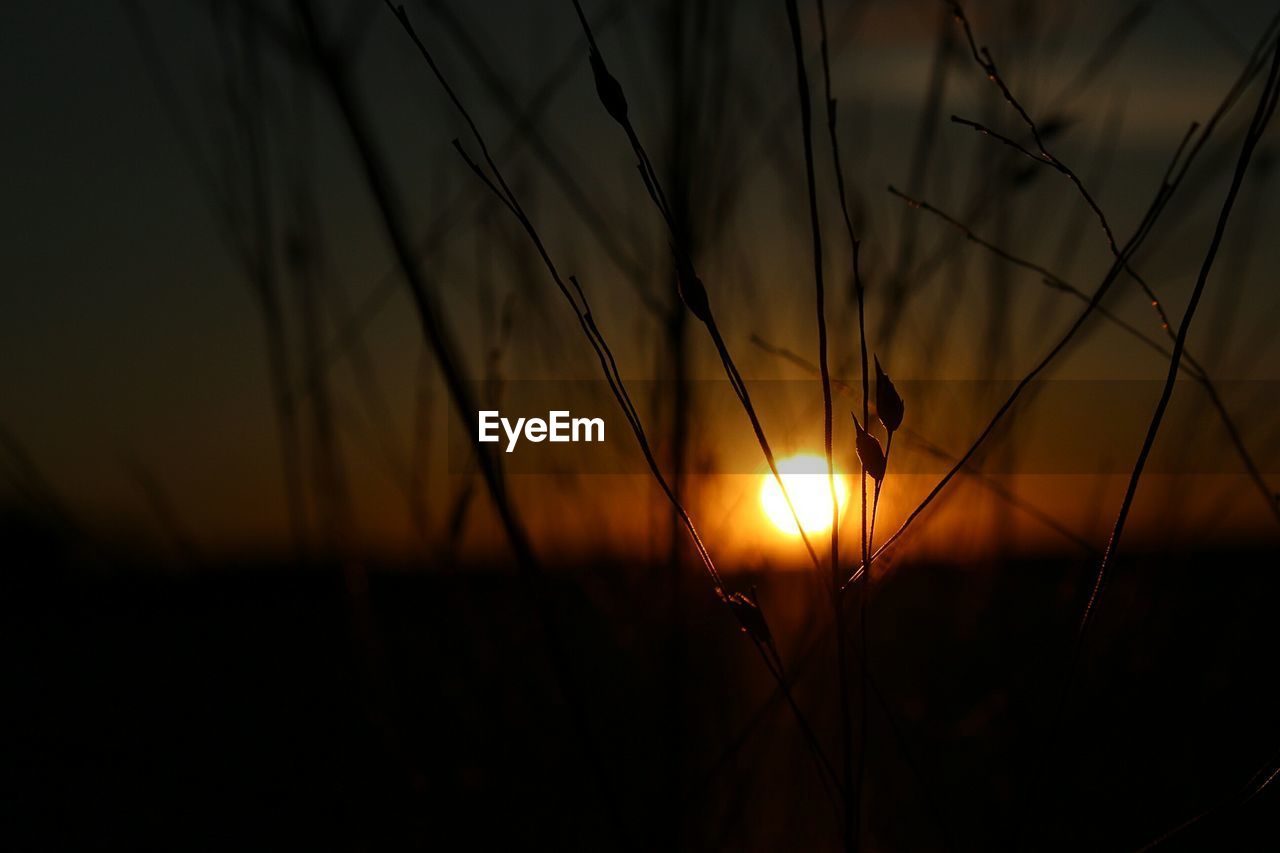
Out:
{"x": 1262, "y": 117}
{"x": 1022, "y": 385}
{"x": 31, "y": 483}
{"x": 378, "y": 179}
{"x": 1257, "y": 783}
{"x": 1090, "y": 70}
{"x": 674, "y": 360}
{"x": 875, "y": 500}
{"x": 381, "y": 290}
{"x": 744, "y": 608}
{"x": 830, "y": 781}
{"x": 590, "y": 215}
{"x": 983, "y": 58}
{"x": 815, "y": 227}
{"x": 1049, "y": 160}
{"x": 575, "y": 297}
{"x": 1107, "y": 50}
{"x": 1172, "y": 180}
{"x": 939, "y": 453}
{"x": 895, "y": 288}
{"x": 692, "y": 290}
{"x": 1190, "y": 365}
{"x": 1257, "y": 126}
{"x": 855, "y": 249}
{"x": 247, "y": 223}
{"x": 304, "y": 261}
{"x": 263, "y": 273}
{"x": 850, "y": 818}
{"x": 165, "y": 511}
{"x": 286, "y": 410}
{"x": 419, "y": 457}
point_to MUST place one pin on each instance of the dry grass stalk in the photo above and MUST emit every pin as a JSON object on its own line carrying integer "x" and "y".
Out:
{"x": 1172, "y": 180}
{"x": 745, "y": 607}
{"x": 1190, "y": 365}
{"x": 691, "y": 289}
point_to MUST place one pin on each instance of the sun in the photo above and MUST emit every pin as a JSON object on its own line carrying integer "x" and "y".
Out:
{"x": 805, "y": 476}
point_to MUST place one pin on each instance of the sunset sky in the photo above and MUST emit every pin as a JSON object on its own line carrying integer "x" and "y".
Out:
{"x": 130, "y": 341}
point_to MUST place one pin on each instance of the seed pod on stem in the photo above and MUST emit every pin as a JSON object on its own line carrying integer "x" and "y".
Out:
{"x": 692, "y": 291}
{"x": 751, "y": 618}
{"x": 889, "y": 405}
{"x": 609, "y": 90}
{"x": 869, "y": 452}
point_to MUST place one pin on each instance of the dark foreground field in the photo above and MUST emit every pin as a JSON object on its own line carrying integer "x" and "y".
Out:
{"x": 254, "y": 706}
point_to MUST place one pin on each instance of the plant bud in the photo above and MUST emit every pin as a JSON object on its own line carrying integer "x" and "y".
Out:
{"x": 869, "y": 453}
{"x": 692, "y": 292}
{"x": 750, "y": 618}
{"x": 889, "y": 405}
{"x": 609, "y": 90}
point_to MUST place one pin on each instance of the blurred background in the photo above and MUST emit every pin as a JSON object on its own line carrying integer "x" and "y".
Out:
{"x": 255, "y": 575}
{"x": 137, "y": 345}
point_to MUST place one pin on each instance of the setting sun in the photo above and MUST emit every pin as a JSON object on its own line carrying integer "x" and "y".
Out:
{"x": 805, "y": 477}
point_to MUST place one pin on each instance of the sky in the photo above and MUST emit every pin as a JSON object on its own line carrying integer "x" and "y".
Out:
{"x": 130, "y": 340}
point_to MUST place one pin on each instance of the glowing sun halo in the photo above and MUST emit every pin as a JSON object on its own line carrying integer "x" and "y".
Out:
{"x": 806, "y": 479}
